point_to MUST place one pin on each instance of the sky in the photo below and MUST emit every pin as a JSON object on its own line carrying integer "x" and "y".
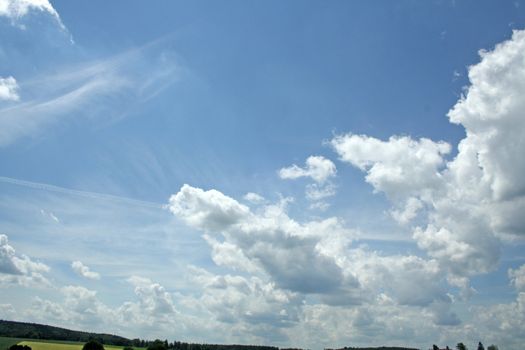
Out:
{"x": 292, "y": 173}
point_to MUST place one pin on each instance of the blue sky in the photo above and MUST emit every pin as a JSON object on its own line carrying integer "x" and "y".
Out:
{"x": 314, "y": 174}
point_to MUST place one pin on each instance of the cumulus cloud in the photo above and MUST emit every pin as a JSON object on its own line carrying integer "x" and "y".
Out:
{"x": 15, "y": 9}
{"x": 208, "y": 210}
{"x": 8, "y": 89}
{"x": 153, "y": 298}
{"x": 311, "y": 258}
{"x": 249, "y": 302}
{"x": 517, "y": 278}
{"x": 282, "y": 247}
{"x": 317, "y": 168}
{"x": 320, "y": 170}
{"x": 474, "y": 199}
{"x": 84, "y": 271}
{"x": 253, "y": 197}
{"x": 399, "y": 167}
{"x": 19, "y": 269}
{"x": 152, "y": 309}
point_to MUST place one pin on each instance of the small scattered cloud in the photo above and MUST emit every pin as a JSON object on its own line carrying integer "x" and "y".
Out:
{"x": 456, "y": 75}
{"x": 49, "y": 215}
{"x": 20, "y": 270}
{"x": 320, "y": 170}
{"x": 253, "y": 198}
{"x": 317, "y": 168}
{"x": 84, "y": 271}
{"x": 9, "y": 89}
{"x": 517, "y": 278}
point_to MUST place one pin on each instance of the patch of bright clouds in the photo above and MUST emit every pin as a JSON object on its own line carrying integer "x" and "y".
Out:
{"x": 466, "y": 206}
{"x": 517, "y": 278}
{"x": 84, "y": 271}
{"x": 8, "y": 89}
{"x": 317, "y": 168}
{"x": 475, "y": 199}
{"x": 15, "y": 9}
{"x": 253, "y": 197}
{"x": 19, "y": 270}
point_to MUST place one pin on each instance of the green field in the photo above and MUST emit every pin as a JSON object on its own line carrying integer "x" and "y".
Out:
{"x": 5, "y": 343}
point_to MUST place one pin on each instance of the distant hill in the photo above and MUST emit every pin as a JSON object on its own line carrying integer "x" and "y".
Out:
{"x": 13, "y": 329}
{"x": 40, "y": 331}
{"x": 376, "y": 348}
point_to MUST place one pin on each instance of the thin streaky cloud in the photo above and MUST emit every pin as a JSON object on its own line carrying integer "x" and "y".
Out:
{"x": 88, "y": 194}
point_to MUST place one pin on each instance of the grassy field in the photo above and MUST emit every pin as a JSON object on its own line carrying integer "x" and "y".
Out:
{"x": 5, "y": 343}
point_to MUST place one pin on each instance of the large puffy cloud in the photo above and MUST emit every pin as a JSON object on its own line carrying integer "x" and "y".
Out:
{"x": 492, "y": 113}
{"x": 84, "y": 271}
{"x": 251, "y": 304}
{"x": 9, "y": 89}
{"x": 282, "y": 247}
{"x": 19, "y": 269}
{"x": 399, "y": 167}
{"x": 312, "y": 258}
{"x": 476, "y": 198}
{"x": 81, "y": 307}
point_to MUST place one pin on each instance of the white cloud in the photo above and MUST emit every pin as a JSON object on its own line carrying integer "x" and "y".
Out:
{"x": 154, "y": 300}
{"x": 8, "y": 89}
{"x": 517, "y": 278}
{"x": 492, "y": 114}
{"x": 399, "y": 167}
{"x": 475, "y": 199}
{"x": 7, "y": 311}
{"x": 315, "y": 192}
{"x": 79, "y": 307}
{"x": 315, "y": 257}
{"x": 253, "y": 198}
{"x": 249, "y": 303}
{"x": 208, "y": 210}
{"x": 84, "y": 271}
{"x": 318, "y": 168}
{"x": 408, "y": 211}
{"x": 19, "y": 270}
{"x": 283, "y": 248}
{"x": 15, "y": 9}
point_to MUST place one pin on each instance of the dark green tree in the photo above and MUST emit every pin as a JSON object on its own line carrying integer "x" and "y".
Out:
{"x": 93, "y": 345}
{"x": 492, "y": 347}
{"x": 461, "y": 346}
{"x": 480, "y": 346}
{"x": 435, "y": 347}
{"x": 157, "y": 345}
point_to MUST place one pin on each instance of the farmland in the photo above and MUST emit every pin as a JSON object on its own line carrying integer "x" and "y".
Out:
{"x": 6, "y": 342}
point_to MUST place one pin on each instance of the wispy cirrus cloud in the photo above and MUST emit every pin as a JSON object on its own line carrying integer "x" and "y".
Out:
{"x": 107, "y": 89}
